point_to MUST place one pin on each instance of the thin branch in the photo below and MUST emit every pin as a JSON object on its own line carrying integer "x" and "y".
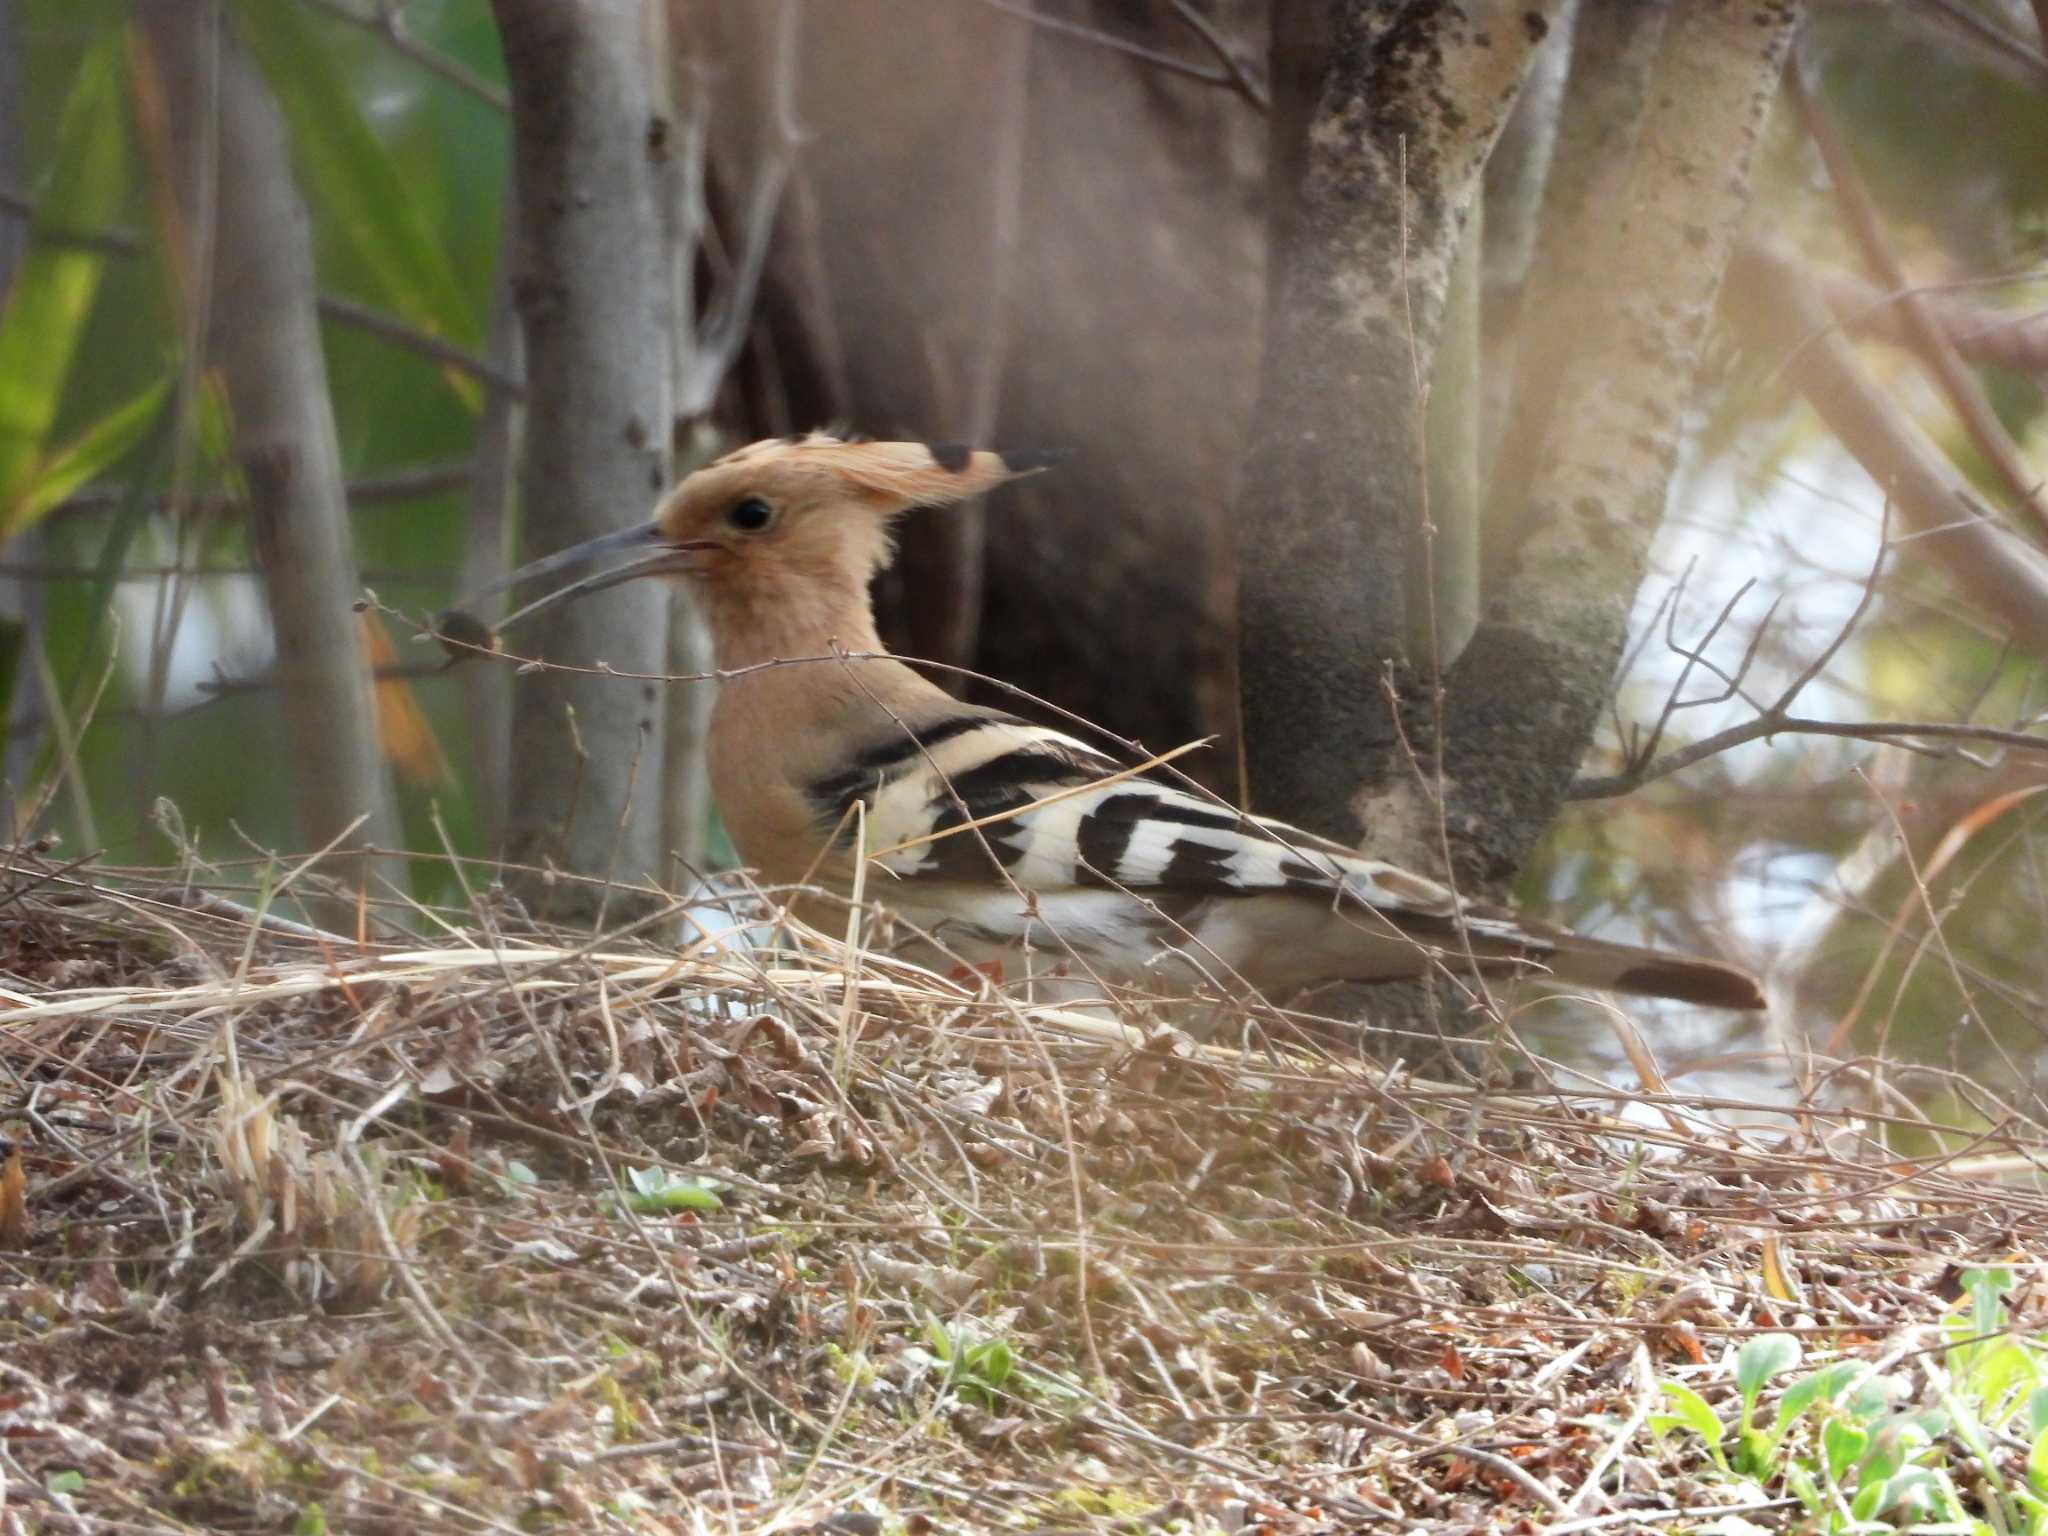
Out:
{"x": 1643, "y": 762}
{"x": 2001, "y": 44}
{"x": 372, "y": 490}
{"x": 1771, "y": 298}
{"x": 388, "y": 327}
{"x": 333, "y": 306}
{"x": 2000, "y": 338}
{"x": 388, "y": 23}
{"x": 1897, "y": 733}
{"x": 1927, "y": 339}
{"x": 54, "y": 570}
{"x": 1249, "y": 86}
{"x": 1231, "y": 77}
{"x": 112, "y": 242}
{"x": 222, "y": 685}
{"x": 723, "y": 330}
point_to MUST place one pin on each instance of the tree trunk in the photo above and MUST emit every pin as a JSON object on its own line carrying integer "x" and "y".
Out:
{"x": 1525, "y": 698}
{"x": 493, "y": 487}
{"x": 592, "y": 286}
{"x": 266, "y": 341}
{"x": 20, "y": 596}
{"x": 1382, "y": 118}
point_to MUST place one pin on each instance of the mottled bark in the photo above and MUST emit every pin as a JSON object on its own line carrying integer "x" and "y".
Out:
{"x": 1527, "y": 695}
{"x": 1785, "y": 319}
{"x": 592, "y": 285}
{"x": 1443, "y": 586}
{"x": 1373, "y": 182}
{"x": 1606, "y": 99}
{"x": 265, "y": 339}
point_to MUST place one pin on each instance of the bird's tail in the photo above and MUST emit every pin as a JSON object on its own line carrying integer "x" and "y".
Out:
{"x": 1578, "y": 961}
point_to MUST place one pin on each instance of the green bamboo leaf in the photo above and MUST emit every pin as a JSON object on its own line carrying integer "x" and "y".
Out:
{"x": 52, "y": 294}
{"x": 87, "y": 456}
{"x": 353, "y": 176}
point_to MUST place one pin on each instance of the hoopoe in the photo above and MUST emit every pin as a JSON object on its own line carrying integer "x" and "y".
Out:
{"x": 993, "y": 837}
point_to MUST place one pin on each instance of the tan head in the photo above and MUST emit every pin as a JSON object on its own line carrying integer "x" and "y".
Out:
{"x": 816, "y": 506}
{"x": 794, "y": 517}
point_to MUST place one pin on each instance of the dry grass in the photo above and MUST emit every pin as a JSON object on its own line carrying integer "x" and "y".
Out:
{"x": 305, "y": 1235}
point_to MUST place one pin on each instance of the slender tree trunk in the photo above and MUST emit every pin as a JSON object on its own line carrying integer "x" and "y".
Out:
{"x": 265, "y": 338}
{"x": 1443, "y": 586}
{"x": 592, "y": 282}
{"x": 493, "y": 490}
{"x": 1613, "y": 66}
{"x": 1529, "y": 692}
{"x": 1517, "y": 177}
{"x": 20, "y": 596}
{"x": 1382, "y": 118}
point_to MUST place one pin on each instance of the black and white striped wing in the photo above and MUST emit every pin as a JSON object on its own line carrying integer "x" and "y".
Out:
{"x": 1059, "y": 827}
{"x": 974, "y": 810}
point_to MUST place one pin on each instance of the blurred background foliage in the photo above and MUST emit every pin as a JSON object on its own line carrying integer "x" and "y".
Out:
{"x": 1787, "y": 853}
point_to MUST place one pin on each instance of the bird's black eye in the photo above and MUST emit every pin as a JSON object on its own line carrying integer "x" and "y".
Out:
{"x": 751, "y": 515}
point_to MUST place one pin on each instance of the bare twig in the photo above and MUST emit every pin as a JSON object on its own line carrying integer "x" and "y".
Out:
{"x": 2014, "y": 52}
{"x": 1249, "y": 86}
{"x": 2006, "y": 339}
{"x": 372, "y": 490}
{"x": 388, "y": 23}
{"x": 336, "y": 307}
{"x": 1232, "y": 76}
{"x": 1772, "y": 298}
{"x": 1927, "y": 338}
{"x": 386, "y": 327}
{"x": 1897, "y": 733}
{"x": 1643, "y": 761}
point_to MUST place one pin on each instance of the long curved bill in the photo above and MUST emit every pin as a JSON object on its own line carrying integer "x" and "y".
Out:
{"x": 657, "y": 556}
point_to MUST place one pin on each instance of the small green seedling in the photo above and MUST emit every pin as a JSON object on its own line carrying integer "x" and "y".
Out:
{"x": 1861, "y": 1462}
{"x": 978, "y": 1370}
{"x": 657, "y": 1192}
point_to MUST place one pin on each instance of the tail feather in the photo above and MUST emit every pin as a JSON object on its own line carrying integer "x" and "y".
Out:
{"x": 1584, "y": 962}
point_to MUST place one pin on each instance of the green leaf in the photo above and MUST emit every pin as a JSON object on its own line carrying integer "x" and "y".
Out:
{"x": 312, "y": 1521}
{"x": 1758, "y": 1361}
{"x": 65, "y": 1482}
{"x": 356, "y": 180}
{"x": 53, "y": 290}
{"x": 1986, "y": 1288}
{"x": 1842, "y": 1445}
{"x": 85, "y": 458}
{"x": 1823, "y": 1386}
{"x": 1753, "y": 1453}
{"x": 1696, "y": 1415}
{"x": 656, "y": 1192}
{"x": 2037, "y": 1411}
{"x": 991, "y": 1362}
{"x": 2001, "y": 1376}
{"x": 2037, "y": 1464}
